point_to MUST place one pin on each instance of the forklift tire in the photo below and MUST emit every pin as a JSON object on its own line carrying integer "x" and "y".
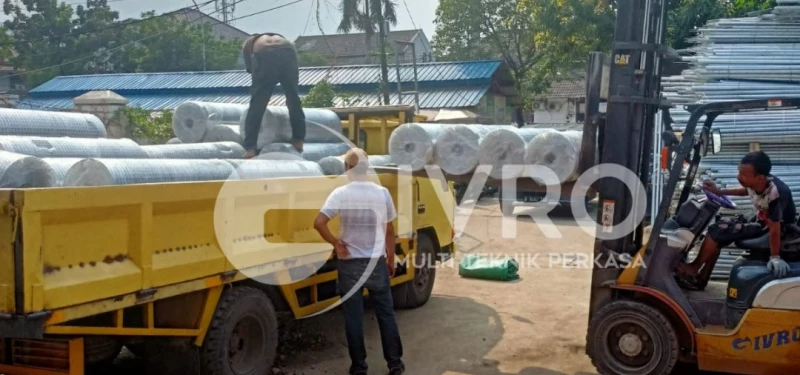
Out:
{"x": 417, "y": 292}
{"x": 242, "y": 338}
{"x": 632, "y": 338}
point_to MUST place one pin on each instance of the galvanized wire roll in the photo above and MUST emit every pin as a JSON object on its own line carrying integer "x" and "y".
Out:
{"x": 50, "y": 124}
{"x": 334, "y": 165}
{"x": 413, "y": 144}
{"x": 60, "y": 167}
{"x": 223, "y": 133}
{"x": 322, "y": 126}
{"x": 103, "y": 172}
{"x": 23, "y": 171}
{"x": 456, "y": 149}
{"x": 558, "y": 151}
{"x": 192, "y": 119}
{"x": 218, "y": 150}
{"x": 174, "y": 141}
{"x": 64, "y": 147}
{"x": 506, "y": 147}
{"x": 260, "y": 168}
{"x": 311, "y": 151}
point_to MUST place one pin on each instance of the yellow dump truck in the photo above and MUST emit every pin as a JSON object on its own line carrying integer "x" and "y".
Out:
{"x": 197, "y": 268}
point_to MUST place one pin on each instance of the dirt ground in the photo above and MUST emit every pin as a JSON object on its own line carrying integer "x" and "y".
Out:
{"x": 533, "y": 326}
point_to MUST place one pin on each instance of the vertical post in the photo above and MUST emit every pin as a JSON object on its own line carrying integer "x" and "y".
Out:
{"x": 203, "y": 31}
{"x": 416, "y": 79}
{"x": 397, "y": 68}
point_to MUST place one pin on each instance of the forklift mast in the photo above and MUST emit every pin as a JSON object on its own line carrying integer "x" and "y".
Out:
{"x": 625, "y": 138}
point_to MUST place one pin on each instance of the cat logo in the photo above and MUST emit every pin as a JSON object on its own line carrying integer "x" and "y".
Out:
{"x": 620, "y": 59}
{"x": 733, "y": 293}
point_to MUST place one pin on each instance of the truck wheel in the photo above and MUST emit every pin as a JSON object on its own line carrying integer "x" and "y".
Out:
{"x": 417, "y": 292}
{"x": 243, "y": 336}
{"x": 631, "y": 338}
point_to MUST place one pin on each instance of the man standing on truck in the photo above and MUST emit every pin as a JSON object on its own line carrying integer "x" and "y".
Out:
{"x": 366, "y": 213}
{"x": 271, "y": 59}
{"x": 775, "y": 210}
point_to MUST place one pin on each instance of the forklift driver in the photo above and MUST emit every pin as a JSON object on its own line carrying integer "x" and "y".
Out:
{"x": 775, "y": 211}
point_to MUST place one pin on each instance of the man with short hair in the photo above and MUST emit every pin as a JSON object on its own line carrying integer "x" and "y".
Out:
{"x": 365, "y": 250}
{"x": 775, "y": 210}
{"x": 271, "y": 59}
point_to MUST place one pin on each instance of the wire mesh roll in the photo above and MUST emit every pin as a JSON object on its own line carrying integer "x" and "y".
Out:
{"x": 456, "y": 148}
{"x": 50, "y": 124}
{"x": 506, "y": 147}
{"x": 60, "y": 167}
{"x": 559, "y": 151}
{"x": 103, "y": 172}
{"x": 322, "y": 126}
{"x": 23, "y": 171}
{"x": 413, "y": 144}
{"x": 218, "y": 150}
{"x": 223, "y": 133}
{"x": 174, "y": 141}
{"x": 334, "y": 165}
{"x": 65, "y": 147}
{"x": 260, "y": 168}
{"x": 193, "y": 119}
{"x": 311, "y": 151}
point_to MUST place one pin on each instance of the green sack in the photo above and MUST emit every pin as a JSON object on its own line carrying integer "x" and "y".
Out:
{"x": 473, "y": 266}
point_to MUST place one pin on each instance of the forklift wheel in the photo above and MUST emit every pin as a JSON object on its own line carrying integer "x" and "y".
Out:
{"x": 631, "y": 338}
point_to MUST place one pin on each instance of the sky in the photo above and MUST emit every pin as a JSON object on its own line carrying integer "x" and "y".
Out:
{"x": 291, "y": 21}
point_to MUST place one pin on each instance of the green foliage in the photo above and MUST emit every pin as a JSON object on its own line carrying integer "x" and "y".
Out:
{"x": 311, "y": 58}
{"x": 322, "y": 95}
{"x": 148, "y": 127}
{"x": 91, "y": 39}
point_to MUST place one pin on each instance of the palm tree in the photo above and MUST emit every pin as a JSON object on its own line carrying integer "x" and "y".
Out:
{"x": 367, "y": 15}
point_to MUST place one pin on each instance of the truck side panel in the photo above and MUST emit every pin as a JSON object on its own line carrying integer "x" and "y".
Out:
{"x": 7, "y": 233}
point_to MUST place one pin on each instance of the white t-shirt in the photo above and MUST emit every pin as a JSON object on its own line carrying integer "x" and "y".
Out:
{"x": 364, "y": 209}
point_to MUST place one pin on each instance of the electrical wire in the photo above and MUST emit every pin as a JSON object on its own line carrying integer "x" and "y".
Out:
{"x": 266, "y": 10}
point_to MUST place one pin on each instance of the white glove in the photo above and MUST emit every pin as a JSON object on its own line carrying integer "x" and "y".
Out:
{"x": 778, "y": 267}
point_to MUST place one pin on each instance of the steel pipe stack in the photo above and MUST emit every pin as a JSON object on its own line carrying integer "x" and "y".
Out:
{"x": 192, "y": 120}
{"x": 219, "y": 150}
{"x": 23, "y": 171}
{"x": 413, "y": 144}
{"x": 456, "y": 149}
{"x": 64, "y": 147}
{"x": 50, "y": 124}
{"x": 506, "y": 147}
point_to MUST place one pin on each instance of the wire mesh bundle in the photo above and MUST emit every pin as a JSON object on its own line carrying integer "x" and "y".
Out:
{"x": 50, "y": 124}
{"x": 65, "y": 147}
{"x": 60, "y": 167}
{"x": 218, "y": 150}
{"x": 558, "y": 151}
{"x": 506, "y": 147}
{"x": 174, "y": 141}
{"x": 311, "y": 151}
{"x": 456, "y": 149}
{"x": 260, "y": 168}
{"x": 103, "y": 172}
{"x": 22, "y": 171}
{"x": 322, "y": 126}
{"x": 334, "y": 165}
{"x": 223, "y": 133}
{"x": 413, "y": 144}
{"x": 193, "y": 119}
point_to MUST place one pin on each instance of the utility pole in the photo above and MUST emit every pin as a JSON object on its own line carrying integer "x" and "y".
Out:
{"x": 384, "y": 31}
{"x": 203, "y": 35}
{"x": 416, "y": 79}
{"x": 397, "y": 69}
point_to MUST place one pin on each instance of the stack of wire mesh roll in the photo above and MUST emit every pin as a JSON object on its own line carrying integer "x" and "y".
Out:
{"x": 739, "y": 59}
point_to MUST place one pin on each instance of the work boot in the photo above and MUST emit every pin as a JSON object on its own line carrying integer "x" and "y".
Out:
{"x": 397, "y": 370}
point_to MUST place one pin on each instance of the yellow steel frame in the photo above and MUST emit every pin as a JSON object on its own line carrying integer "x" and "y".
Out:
{"x": 75, "y": 357}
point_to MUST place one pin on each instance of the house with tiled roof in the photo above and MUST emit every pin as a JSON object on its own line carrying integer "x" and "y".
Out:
{"x": 564, "y": 103}
{"x": 351, "y": 48}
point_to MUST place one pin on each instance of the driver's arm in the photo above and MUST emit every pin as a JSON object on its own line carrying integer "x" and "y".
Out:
{"x": 734, "y": 192}
{"x": 774, "y": 237}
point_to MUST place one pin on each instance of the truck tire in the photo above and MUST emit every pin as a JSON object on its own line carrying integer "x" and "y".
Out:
{"x": 243, "y": 336}
{"x": 417, "y": 292}
{"x": 632, "y": 338}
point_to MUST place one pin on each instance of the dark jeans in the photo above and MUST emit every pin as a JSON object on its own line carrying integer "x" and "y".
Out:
{"x": 350, "y": 272}
{"x": 270, "y": 67}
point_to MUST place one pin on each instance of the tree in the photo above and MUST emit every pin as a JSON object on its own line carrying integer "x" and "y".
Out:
{"x": 539, "y": 40}
{"x": 685, "y": 16}
{"x": 311, "y": 58}
{"x": 322, "y": 95}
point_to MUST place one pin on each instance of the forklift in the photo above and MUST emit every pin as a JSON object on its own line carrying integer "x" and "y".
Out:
{"x": 641, "y": 322}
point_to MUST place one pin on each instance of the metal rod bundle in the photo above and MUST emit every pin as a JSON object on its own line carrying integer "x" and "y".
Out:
{"x": 23, "y": 171}
{"x": 219, "y": 150}
{"x": 192, "y": 119}
{"x": 506, "y": 147}
{"x": 64, "y": 147}
{"x": 311, "y": 151}
{"x": 50, "y": 124}
{"x": 103, "y": 172}
{"x": 413, "y": 144}
{"x": 456, "y": 149}
{"x": 322, "y": 126}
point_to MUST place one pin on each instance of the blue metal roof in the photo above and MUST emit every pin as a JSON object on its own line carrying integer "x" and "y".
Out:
{"x": 441, "y": 97}
{"x": 350, "y": 77}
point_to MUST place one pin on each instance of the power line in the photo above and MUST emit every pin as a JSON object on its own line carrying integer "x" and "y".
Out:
{"x": 266, "y": 10}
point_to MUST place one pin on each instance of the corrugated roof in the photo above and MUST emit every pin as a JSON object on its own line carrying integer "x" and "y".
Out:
{"x": 566, "y": 89}
{"x": 344, "y": 45}
{"x": 450, "y": 97}
{"x": 438, "y": 73}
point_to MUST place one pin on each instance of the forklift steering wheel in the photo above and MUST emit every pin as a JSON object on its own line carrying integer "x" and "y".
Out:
{"x": 719, "y": 200}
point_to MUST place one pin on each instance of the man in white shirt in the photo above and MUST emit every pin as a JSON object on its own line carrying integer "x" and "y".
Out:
{"x": 364, "y": 251}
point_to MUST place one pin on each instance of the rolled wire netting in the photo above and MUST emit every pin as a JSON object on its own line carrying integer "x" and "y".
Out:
{"x": 103, "y": 172}
{"x": 218, "y": 150}
{"x": 311, "y": 151}
{"x": 174, "y": 141}
{"x": 50, "y": 124}
{"x": 322, "y": 126}
{"x": 193, "y": 119}
{"x": 260, "y": 168}
{"x": 223, "y": 133}
{"x": 558, "y": 151}
{"x": 60, "y": 167}
{"x": 23, "y": 171}
{"x": 413, "y": 144}
{"x": 64, "y": 147}
{"x": 456, "y": 149}
{"x": 506, "y": 147}
{"x": 334, "y": 165}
